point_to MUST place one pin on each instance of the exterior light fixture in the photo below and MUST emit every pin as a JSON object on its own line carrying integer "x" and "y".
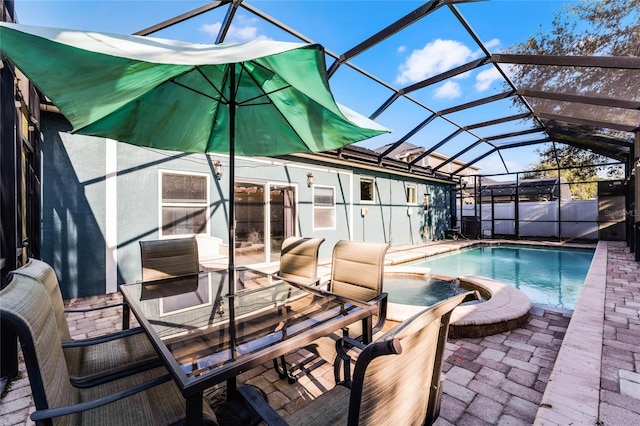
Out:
{"x": 217, "y": 169}
{"x": 425, "y": 201}
{"x": 32, "y": 123}
{"x": 310, "y": 179}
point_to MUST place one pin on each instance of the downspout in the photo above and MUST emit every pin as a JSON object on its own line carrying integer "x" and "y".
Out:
{"x": 390, "y": 210}
{"x": 636, "y": 192}
{"x": 559, "y": 208}
{"x": 516, "y": 206}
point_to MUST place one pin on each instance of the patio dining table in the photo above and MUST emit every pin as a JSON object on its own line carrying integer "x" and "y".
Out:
{"x": 204, "y": 336}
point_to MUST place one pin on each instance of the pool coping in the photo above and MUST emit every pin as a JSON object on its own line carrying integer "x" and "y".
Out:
{"x": 571, "y": 396}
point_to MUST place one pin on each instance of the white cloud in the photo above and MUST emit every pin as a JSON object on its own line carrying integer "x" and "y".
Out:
{"x": 493, "y": 165}
{"x": 493, "y": 45}
{"x": 485, "y": 78}
{"x": 435, "y": 58}
{"x": 402, "y": 49}
{"x": 245, "y": 30}
{"x": 449, "y": 90}
{"x": 211, "y": 29}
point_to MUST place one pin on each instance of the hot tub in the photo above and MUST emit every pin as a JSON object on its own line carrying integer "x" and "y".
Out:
{"x": 501, "y": 308}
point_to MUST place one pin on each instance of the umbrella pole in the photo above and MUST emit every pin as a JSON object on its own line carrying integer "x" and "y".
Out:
{"x": 232, "y": 154}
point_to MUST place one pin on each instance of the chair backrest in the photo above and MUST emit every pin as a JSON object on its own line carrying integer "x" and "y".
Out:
{"x": 299, "y": 259}
{"x": 26, "y": 308}
{"x": 169, "y": 258}
{"x": 357, "y": 269}
{"x": 37, "y": 272}
{"x": 397, "y": 377}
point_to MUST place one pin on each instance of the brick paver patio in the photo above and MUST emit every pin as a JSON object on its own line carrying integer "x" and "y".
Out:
{"x": 620, "y": 375}
{"x": 495, "y": 380}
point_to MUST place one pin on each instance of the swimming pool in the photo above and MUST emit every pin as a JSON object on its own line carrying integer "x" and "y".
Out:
{"x": 549, "y": 276}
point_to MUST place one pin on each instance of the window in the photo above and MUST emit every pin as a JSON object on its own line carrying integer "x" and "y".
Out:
{"x": 366, "y": 190}
{"x": 412, "y": 193}
{"x": 184, "y": 199}
{"x": 324, "y": 207}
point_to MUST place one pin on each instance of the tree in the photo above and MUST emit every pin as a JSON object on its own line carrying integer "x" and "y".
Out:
{"x": 578, "y": 167}
{"x": 585, "y": 165}
{"x": 583, "y": 28}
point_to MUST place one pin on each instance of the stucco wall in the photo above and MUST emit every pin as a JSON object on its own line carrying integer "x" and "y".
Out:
{"x": 73, "y": 208}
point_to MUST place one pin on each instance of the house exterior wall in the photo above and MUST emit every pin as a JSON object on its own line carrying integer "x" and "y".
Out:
{"x": 101, "y": 197}
{"x": 73, "y": 208}
{"x": 390, "y": 218}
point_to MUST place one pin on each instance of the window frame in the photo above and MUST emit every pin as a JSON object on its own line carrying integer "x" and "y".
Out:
{"x": 414, "y": 187}
{"x": 202, "y": 204}
{"x": 372, "y": 181}
{"x": 332, "y": 209}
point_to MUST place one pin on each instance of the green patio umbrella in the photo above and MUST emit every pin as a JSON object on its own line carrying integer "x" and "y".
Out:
{"x": 261, "y": 98}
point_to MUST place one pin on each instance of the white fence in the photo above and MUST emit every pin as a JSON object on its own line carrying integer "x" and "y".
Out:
{"x": 569, "y": 219}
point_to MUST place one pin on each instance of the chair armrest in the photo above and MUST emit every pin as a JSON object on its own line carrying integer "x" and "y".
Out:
{"x": 49, "y": 413}
{"x": 381, "y": 300}
{"x": 102, "y": 339}
{"x": 343, "y": 345}
{"x": 251, "y": 395}
{"x": 117, "y": 373}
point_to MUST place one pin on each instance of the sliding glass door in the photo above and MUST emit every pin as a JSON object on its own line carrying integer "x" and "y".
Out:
{"x": 258, "y": 240}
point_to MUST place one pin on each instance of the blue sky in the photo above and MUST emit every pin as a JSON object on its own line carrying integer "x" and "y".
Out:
{"x": 430, "y": 46}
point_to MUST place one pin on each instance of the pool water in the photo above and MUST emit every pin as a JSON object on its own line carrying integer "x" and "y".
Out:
{"x": 549, "y": 276}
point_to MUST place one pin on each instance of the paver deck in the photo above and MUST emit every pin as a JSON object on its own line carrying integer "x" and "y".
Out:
{"x": 494, "y": 380}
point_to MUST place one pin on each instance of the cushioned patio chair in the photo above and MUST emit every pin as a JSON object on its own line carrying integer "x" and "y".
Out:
{"x": 146, "y": 398}
{"x": 92, "y": 360}
{"x": 299, "y": 260}
{"x": 169, "y": 258}
{"x": 396, "y": 379}
{"x": 357, "y": 271}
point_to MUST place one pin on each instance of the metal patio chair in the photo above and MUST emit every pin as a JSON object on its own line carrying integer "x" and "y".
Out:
{"x": 397, "y": 380}
{"x": 357, "y": 271}
{"x": 146, "y": 398}
{"x": 91, "y": 360}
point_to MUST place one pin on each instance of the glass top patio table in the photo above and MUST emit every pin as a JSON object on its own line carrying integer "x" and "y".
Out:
{"x": 205, "y": 336}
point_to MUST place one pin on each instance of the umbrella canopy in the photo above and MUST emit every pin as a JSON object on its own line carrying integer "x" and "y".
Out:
{"x": 261, "y": 98}
{"x": 173, "y": 95}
